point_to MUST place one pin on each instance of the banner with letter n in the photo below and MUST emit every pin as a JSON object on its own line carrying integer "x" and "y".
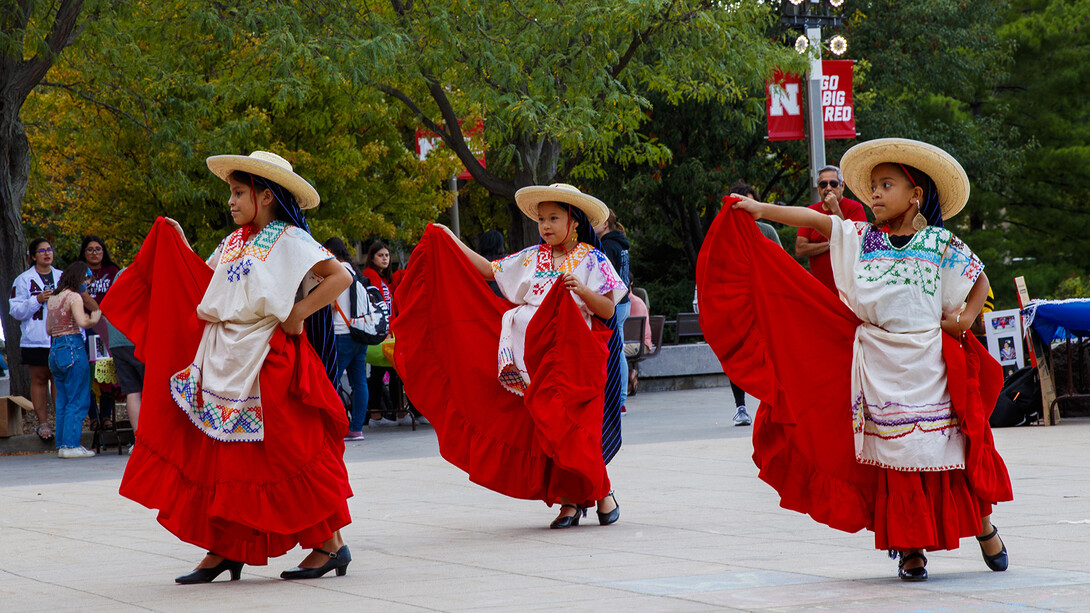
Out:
{"x": 784, "y": 107}
{"x": 784, "y": 103}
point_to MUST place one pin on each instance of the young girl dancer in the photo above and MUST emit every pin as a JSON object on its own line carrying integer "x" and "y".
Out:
{"x": 523, "y": 395}
{"x": 874, "y": 409}
{"x": 241, "y": 433}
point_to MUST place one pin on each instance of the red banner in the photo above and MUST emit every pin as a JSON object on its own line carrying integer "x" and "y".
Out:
{"x": 426, "y": 140}
{"x": 784, "y": 103}
{"x": 836, "y": 98}
{"x": 784, "y": 107}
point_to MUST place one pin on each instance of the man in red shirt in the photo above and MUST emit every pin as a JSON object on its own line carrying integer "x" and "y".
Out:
{"x": 811, "y": 243}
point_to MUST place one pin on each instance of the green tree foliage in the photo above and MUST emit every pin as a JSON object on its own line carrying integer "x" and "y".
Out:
{"x": 563, "y": 86}
{"x": 33, "y": 34}
{"x": 1046, "y": 205}
{"x": 932, "y": 71}
{"x": 925, "y": 70}
{"x": 124, "y": 128}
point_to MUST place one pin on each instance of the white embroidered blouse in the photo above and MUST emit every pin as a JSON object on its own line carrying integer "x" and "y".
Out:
{"x": 253, "y": 289}
{"x": 525, "y": 278}
{"x": 901, "y": 412}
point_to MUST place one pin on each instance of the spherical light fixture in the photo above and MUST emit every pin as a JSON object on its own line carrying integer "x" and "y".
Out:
{"x": 836, "y": 3}
{"x": 837, "y": 44}
{"x": 796, "y": 2}
{"x": 802, "y": 43}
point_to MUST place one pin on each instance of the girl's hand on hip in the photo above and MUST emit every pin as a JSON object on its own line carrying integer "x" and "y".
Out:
{"x": 292, "y": 326}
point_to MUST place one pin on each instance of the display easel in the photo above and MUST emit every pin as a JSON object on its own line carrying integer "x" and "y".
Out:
{"x": 1040, "y": 356}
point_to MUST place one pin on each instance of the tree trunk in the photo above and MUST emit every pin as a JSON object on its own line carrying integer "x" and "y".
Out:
{"x": 14, "y": 174}
{"x": 18, "y": 77}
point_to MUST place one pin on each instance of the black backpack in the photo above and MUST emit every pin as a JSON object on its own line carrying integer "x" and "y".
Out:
{"x": 367, "y": 317}
{"x": 1019, "y": 401}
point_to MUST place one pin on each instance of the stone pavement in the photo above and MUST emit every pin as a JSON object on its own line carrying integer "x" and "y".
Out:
{"x": 698, "y": 532}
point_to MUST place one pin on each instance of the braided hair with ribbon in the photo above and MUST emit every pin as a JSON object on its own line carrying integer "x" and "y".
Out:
{"x": 319, "y": 325}
{"x": 611, "y": 411}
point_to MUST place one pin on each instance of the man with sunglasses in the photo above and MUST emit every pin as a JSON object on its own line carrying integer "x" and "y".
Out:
{"x": 812, "y": 244}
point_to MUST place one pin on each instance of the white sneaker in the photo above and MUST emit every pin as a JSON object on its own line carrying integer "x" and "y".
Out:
{"x": 405, "y": 420}
{"x": 75, "y": 452}
{"x": 422, "y": 421}
{"x": 741, "y": 418}
{"x": 382, "y": 422}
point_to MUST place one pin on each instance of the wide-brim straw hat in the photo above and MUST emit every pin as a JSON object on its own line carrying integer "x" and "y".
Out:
{"x": 944, "y": 170}
{"x": 528, "y": 198}
{"x": 269, "y": 166}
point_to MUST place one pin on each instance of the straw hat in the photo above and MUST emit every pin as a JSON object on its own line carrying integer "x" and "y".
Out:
{"x": 268, "y": 166}
{"x": 944, "y": 170}
{"x": 529, "y": 197}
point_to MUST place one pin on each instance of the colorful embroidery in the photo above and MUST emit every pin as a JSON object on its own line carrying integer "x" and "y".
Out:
{"x": 545, "y": 260}
{"x": 958, "y": 255}
{"x": 239, "y": 269}
{"x": 527, "y": 258}
{"x": 222, "y": 418}
{"x": 261, "y": 245}
{"x": 915, "y": 264}
{"x": 510, "y": 376}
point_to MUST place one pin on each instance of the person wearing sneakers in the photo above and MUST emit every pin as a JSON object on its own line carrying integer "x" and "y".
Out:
{"x": 241, "y": 430}
{"x": 523, "y": 392}
{"x": 615, "y": 245}
{"x": 351, "y": 356}
{"x": 71, "y": 308}
{"x": 741, "y": 415}
{"x": 874, "y": 402}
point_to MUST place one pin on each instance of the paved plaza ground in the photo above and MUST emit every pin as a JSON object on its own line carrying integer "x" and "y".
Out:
{"x": 698, "y": 532}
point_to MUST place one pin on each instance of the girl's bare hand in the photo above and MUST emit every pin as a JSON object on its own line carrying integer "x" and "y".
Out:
{"x": 177, "y": 227}
{"x": 292, "y": 326}
{"x": 749, "y": 205}
{"x": 572, "y": 284}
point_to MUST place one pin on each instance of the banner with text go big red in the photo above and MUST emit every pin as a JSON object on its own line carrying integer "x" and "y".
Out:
{"x": 785, "y": 103}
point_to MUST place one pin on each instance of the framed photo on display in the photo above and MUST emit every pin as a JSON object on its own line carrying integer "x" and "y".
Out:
{"x": 1004, "y": 333}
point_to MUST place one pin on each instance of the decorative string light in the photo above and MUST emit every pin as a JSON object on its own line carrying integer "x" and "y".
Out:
{"x": 837, "y": 44}
{"x": 802, "y": 43}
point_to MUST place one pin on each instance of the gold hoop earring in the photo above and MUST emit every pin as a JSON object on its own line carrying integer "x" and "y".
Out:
{"x": 919, "y": 222}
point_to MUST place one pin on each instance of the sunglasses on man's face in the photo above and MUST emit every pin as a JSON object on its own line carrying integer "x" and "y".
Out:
{"x": 833, "y": 184}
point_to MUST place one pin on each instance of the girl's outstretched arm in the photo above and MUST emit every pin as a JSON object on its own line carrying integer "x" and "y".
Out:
{"x": 482, "y": 265}
{"x": 791, "y": 215}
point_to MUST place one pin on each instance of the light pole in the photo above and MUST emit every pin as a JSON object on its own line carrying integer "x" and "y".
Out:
{"x": 809, "y": 16}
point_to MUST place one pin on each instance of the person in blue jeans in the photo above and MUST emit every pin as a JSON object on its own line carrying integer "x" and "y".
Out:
{"x": 351, "y": 356}
{"x": 615, "y": 245}
{"x": 71, "y": 308}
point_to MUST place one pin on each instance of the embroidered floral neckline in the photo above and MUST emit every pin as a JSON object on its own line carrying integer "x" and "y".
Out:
{"x": 545, "y": 258}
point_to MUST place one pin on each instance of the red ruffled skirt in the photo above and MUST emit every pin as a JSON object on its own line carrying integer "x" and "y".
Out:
{"x": 784, "y": 338}
{"x": 545, "y": 445}
{"x": 244, "y": 501}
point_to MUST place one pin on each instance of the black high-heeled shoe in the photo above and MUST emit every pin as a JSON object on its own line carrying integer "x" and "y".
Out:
{"x": 207, "y": 575}
{"x": 606, "y": 519}
{"x": 912, "y": 574}
{"x": 337, "y": 561}
{"x": 567, "y": 521}
{"x": 998, "y": 562}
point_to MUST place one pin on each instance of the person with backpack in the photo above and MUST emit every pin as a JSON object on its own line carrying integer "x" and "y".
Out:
{"x": 350, "y": 308}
